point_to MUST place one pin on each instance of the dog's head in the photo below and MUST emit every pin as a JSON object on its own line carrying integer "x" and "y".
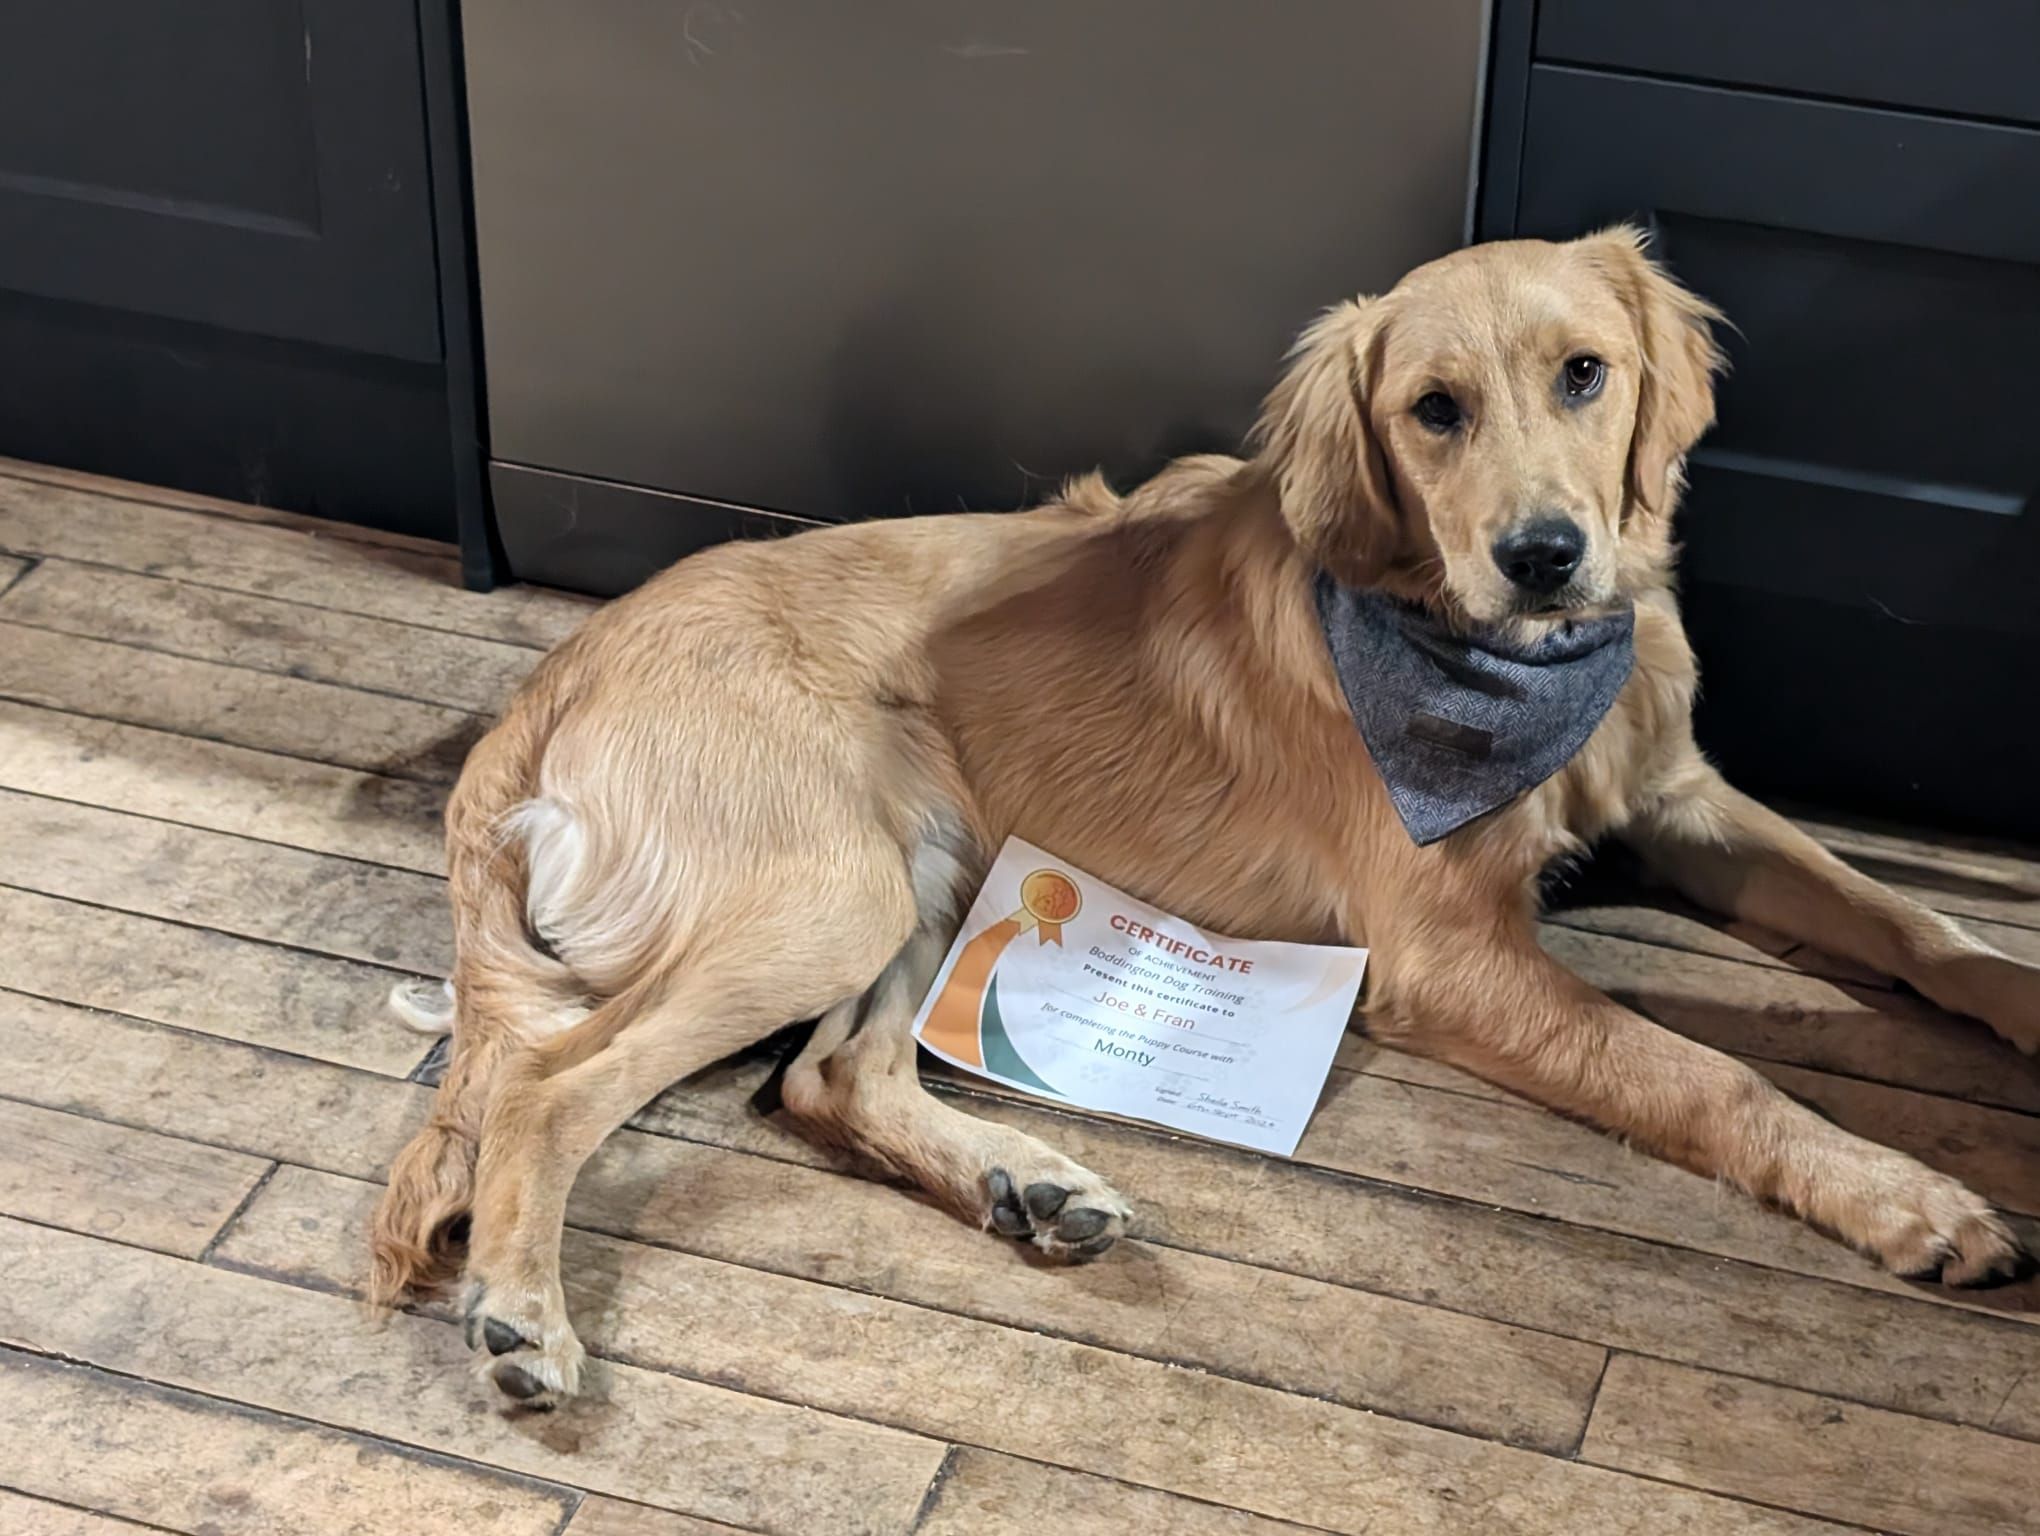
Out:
{"x": 1504, "y": 433}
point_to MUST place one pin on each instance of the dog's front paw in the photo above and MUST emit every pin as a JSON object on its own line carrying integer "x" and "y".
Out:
{"x": 531, "y": 1354}
{"x": 1064, "y": 1210}
{"x": 1924, "y": 1225}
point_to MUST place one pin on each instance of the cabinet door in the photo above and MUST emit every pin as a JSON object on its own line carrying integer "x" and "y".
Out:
{"x": 255, "y": 165}
{"x": 1973, "y": 58}
{"x": 1862, "y": 540}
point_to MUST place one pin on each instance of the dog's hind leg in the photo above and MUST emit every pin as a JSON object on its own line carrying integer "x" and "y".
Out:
{"x": 553, "y": 1101}
{"x": 502, "y": 994}
{"x": 855, "y": 1086}
{"x": 504, "y": 991}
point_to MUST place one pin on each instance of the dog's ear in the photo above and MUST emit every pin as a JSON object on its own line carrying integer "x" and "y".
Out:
{"x": 1320, "y": 453}
{"x": 1675, "y": 396}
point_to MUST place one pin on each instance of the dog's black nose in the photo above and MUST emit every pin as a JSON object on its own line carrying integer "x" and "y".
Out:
{"x": 1541, "y": 556}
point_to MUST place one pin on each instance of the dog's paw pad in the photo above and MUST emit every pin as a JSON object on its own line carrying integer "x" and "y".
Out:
{"x": 501, "y": 1337}
{"x": 1083, "y": 1225}
{"x": 1074, "y": 1216}
{"x": 536, "y": 1359}
{"x": 1009, "y": 1217}
{"x": 513, "y": 1381}
{"x": 1045, "y": 1199}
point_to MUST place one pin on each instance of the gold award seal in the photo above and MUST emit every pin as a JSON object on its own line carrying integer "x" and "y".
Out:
{"x": 1048, "y": 899}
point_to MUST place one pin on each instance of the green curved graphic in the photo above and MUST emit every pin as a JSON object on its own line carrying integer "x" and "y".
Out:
{"x": 1000, "y": 1054}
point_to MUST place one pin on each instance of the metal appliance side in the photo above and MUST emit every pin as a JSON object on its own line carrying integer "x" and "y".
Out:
{"x": 903, "y": 257}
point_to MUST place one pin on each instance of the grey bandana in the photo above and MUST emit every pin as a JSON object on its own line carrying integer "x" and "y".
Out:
{"x": 1458, "y": 725}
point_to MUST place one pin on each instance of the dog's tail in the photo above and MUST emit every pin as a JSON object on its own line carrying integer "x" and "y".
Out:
{"x": 419, "y": 1238}
{"x": 420, "y": 1232}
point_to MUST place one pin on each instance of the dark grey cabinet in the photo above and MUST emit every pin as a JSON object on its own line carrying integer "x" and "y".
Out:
{"x": 1969, "y": 58}
{"x": 231, "y": 253}
{"x": 257, "y": 165}
{"x": 1858, "y": 186}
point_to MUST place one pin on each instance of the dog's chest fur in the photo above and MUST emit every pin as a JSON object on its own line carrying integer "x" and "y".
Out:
{"x": 1627, "y": 763}
{"x": 1202, "y": 757}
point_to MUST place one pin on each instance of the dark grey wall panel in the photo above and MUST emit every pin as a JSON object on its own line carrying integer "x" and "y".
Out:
{"x": 117, "y": 100}
{"x": 906, "y": 255}
{"x": 254, "y": 165}
{"x": 223, "y": 237}
{"x": 280, "y": 424}
{"x": 1974, "y": 58}
{"x": 1862, "y": 535}
{"x": 1879, "y": 270}
{"x": 1614, "y": 143}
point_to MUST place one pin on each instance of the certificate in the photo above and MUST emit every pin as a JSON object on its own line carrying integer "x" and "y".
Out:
{"x": 1061, "y": 986}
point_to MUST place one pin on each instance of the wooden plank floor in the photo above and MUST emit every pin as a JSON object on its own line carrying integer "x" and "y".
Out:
{"x": 225, "y": 736}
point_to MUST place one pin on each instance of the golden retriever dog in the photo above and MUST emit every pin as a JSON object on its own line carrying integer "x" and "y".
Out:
{"x": 763, "y": 788}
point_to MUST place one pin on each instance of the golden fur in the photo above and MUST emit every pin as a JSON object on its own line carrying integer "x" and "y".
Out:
{"x": 762, "y": 788}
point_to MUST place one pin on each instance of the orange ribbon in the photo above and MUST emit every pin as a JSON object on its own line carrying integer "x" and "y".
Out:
{"x": 952, "y": 1026}
{"x": 953, "y": 1023}
{"x": 1051, "y": 933}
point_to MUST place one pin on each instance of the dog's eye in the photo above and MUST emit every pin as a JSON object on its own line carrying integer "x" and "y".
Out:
{"x": 1584, "y": 376}
{"x": 1437, "y": 411}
